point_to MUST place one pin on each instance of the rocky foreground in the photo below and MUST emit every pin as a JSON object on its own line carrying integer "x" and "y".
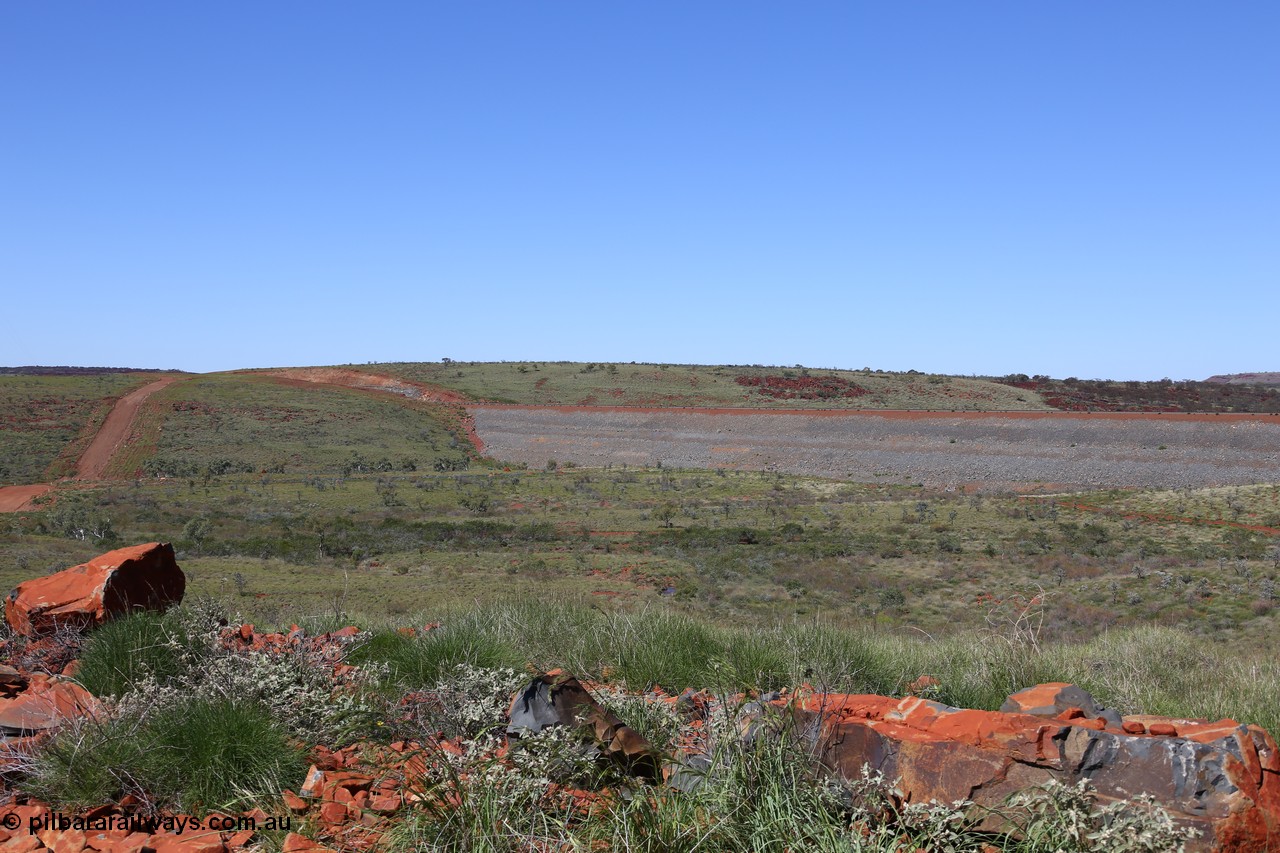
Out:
{"x": 1218, "y": 781}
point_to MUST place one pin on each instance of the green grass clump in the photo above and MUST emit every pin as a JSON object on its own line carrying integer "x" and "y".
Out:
{"x": 122, "y": 653}
{"x": 193, "y": 755}
{"x": 423, "y": 660}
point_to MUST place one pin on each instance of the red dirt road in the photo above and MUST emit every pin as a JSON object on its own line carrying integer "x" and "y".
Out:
{"x": 17, "y": 498}
{"x": 115, "y": 430}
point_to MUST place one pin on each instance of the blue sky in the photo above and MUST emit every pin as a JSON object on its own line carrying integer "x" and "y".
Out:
{"x": 1078, "y": 189}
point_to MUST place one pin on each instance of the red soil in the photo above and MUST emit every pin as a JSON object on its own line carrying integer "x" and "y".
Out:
{"x": 115, "y": 430}
{"x": 16, "y": 498}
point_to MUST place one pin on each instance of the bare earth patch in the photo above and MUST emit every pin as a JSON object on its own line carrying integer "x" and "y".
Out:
{"x": 971, "y": 450}
{"x": 16, "y": 498}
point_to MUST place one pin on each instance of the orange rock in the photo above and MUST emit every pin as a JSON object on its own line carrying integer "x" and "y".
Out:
{"x": 104, "y": 840}
{"x": 240, "y": 839}
{"x": 134, "y": 842}
{"x": 333, "y": 813}
{"x": 384, "y": 805}
{"x": 295, "y": 843}
{"x": 246, "y": 633}
{"x": 120, "y": 581}
{"x": 71, "y": 841}
{"x": 190, "y": 842}
{"x": 294, "y": 803}
{"x": 1134, "y": 727}
{"x": 313, "y": 784}
{"x": 1163, "y": 729}
{"x": 22, "y": 844}
{"x": 46, "y": 702}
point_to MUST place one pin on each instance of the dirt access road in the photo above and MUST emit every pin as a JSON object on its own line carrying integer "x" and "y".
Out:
{"x": 15, "y": 498}
{"x": 115, "y": 430}
{"x": 971, "y": 450}
{"x": 93, "y": 462}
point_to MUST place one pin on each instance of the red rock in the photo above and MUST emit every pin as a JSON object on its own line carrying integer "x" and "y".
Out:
{"x": 71, "y": 841}
{"x": 246, "y": 633}
{"x": 141, "y": 577}
{"x": 1134, "y": 727}
{"x": 384, "y": 805}
{"x": 295, "y": 843}
{"x": 104, "y": 840}
{"x": 559, "y": 699}
{"x": 1054, "y": 698}
{"x": 294, "y": 803}
{"x": 134, "y": 842}
{"x": 22, "y": 844}
{"x": 349, "y": 780}
{"x": 313, "y": 784}
{"x": 333, "y": 812}
{"x": 1220, "y": 778}
{"x": 240, "y": 839}
{"x": 48, "y": 701}
{"x": 188, "y": 842}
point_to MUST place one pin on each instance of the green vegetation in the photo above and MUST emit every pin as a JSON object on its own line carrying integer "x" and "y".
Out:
{"x": 606, "y": 384}
{"x": 221, "y": 729}
{"x": 47, "y": 421}
{"x": 195, "y": 755}
{"x": 742, "y": 547}
{"x": 222, "y": 424}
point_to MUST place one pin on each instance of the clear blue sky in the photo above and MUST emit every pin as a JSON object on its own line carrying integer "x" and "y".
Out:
{"x": 1087, "y": 189}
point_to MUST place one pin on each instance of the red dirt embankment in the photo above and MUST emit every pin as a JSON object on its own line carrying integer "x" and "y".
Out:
{"x": 115, "y": 430}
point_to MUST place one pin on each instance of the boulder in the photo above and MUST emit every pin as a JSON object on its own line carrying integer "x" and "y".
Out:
{"x": 142, "y": 577}
{"x": 1056, "y": 699}
{"x": 558, "y": 699}
{"x": 1219, "y": 778}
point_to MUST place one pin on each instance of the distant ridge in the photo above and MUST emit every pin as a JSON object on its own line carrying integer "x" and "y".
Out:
{"x": 37, "y": 370}
{"x": 1246, "y": 379}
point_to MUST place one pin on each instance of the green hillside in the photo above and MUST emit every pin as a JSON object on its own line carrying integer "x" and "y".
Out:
{"x": 46, "y": 421}
{"x": 226, "y": 423}
{"x": 614, "y": 384}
